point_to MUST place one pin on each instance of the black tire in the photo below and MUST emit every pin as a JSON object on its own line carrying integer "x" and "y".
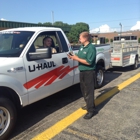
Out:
{"x": 135, "y": 66}
{"x": 8, "y": 116}
{"x": 99, "y": 78}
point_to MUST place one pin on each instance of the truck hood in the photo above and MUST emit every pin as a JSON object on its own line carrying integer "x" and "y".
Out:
{"x": 2, "y": 59}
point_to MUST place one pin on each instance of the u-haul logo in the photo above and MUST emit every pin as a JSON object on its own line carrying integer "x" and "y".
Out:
{"x": 49, "y": 77}
{"x": 41, "y": 66}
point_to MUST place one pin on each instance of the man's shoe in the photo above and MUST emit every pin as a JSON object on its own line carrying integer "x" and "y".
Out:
{"x": 89, "y": 115}
{"x": 84, "y": 107}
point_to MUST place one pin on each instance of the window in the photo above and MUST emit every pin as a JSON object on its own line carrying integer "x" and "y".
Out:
{"x": 58, "y": 43}
{"x": 63, "y": 42}
{"x": 41, "y": 39}
{"x": 12, "y": 43}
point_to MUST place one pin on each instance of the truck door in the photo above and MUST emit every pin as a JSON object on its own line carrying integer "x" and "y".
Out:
{"x": 47, "y": 76}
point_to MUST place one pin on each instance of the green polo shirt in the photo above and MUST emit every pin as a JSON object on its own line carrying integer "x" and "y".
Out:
{"x": 89, "y": 54}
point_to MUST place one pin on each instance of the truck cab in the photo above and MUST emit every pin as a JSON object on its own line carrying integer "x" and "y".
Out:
{"x": 29, "y": 72}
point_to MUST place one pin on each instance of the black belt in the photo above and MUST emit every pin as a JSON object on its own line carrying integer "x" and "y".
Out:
{"x": 86, "y": 70}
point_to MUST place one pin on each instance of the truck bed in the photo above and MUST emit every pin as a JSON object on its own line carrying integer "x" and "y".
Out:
{"x": 76, "y": 47}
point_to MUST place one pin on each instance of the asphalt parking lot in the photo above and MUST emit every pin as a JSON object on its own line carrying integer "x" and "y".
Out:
{"x": 118, "y": 119}
{"x": 59, "y": 116}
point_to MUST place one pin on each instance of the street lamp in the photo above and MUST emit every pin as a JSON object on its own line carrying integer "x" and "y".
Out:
{"x": 98, "y": 41}
{"x": 52, "y": 17}
{"x": 120, "y": 30}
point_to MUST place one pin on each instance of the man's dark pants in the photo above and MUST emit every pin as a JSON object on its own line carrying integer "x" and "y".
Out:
{"x": 87, "y": 88}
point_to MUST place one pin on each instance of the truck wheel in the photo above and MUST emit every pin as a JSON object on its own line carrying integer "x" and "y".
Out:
{"x": 135, "y": 66}
{"x": 8, "y": 117}
{"x": 99, "y": 80}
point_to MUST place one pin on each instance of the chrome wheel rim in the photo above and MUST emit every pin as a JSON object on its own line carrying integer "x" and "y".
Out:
{"x": 4, "y": 120}
{"x": 99, "y": 77}
{"x": 136, "y": 64}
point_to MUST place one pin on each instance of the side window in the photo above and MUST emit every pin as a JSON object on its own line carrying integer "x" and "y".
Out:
{"x": 62, "y": 41}
{"x": 46, "y": 39}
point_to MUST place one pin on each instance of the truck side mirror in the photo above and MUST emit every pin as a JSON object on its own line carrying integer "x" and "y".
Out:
{"x": 42, "y": 53}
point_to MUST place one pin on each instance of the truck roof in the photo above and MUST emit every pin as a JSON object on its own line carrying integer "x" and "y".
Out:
{"x": 35, "y": 29}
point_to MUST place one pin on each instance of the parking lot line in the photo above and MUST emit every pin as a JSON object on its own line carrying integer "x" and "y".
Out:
{"x": 64, "y": 123}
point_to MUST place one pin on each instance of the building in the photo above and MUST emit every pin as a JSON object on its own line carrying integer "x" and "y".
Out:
{"x": 13, "y": 24}
{"x": 103, "y": 37}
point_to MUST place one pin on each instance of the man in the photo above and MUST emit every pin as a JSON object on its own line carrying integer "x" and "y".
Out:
{"x": 48, "y": 42}
{"x": 87, "y": 64}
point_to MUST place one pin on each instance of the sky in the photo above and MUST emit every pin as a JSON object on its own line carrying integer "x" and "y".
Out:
{"x": 100, "y": 15}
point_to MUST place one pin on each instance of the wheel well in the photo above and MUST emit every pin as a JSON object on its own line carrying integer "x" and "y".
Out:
{"x": 10, "y": 94}
{"x": 101, "y": 63}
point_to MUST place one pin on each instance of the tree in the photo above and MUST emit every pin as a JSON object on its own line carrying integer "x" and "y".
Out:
{"x": 76, "y": 29}
{"x": 47, "y": 24}
{"x": 39, "y": 23}
{"x": 61, "y": 24}
{"x": 139, "y": 40}
{"x": 106, "y": 40}
{"x": 58, "y": 23}
{"x": 111, "y": 40}
{"x": 96, "y": 41}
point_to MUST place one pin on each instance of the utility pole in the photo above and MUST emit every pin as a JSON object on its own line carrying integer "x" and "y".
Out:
{"x": 120, "y": 30}
{"x": 99, "y": 36}
{"x": 52, "y": 17}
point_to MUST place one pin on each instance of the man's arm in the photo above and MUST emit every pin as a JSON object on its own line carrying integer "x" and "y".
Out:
{"x": 90, "y": 57}
{"x": 75, "y": 57}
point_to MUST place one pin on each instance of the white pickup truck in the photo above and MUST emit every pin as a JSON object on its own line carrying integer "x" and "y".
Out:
{"x": 29, "y": 73}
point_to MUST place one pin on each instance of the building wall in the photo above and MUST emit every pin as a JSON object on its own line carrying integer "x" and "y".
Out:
{"x": 115, "y": 34}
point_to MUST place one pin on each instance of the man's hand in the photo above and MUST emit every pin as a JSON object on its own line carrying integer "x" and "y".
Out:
{"x": 74, "y": 57}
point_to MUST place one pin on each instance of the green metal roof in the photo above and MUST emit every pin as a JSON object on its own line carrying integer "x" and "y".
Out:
{"x": 13, "y": 24}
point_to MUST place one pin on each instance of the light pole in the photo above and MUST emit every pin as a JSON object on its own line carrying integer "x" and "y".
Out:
{"x": 120, "y": 30}
{"x": 52, "y": 17}
{"x": 98, "y": 41}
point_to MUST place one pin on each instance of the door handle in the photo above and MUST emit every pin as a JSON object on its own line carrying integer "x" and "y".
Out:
{"x": 64, "y": 60}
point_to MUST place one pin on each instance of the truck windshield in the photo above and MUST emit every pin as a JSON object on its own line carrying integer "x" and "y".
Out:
{"x": 12, "y": 43}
